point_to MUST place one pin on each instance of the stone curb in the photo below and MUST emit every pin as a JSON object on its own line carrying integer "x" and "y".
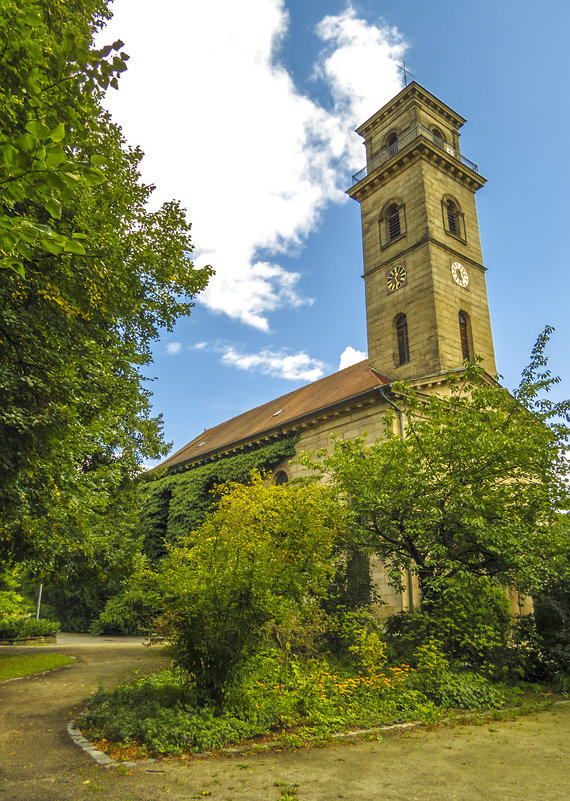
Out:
{"x": 99, "y": 756}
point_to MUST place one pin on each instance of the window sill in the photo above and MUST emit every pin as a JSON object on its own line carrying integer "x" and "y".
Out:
{"x": 459, "y": 238}
{"x": 392, "y": 241}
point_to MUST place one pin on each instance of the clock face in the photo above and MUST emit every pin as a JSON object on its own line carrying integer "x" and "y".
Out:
{"x": 459, "y": 274}
{"x": 396, "y": 277}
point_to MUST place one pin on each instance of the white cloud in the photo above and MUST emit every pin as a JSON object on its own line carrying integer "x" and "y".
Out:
{"x": 350, "y": 356}
{"x": 226, "y": 130}
{"x": 360, "y": 63}
{"x": 173, "y": 347}
{"x": 276, "y": 363}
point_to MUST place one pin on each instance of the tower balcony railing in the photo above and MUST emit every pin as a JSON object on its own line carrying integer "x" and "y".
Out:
{"x": 388, "y": 152}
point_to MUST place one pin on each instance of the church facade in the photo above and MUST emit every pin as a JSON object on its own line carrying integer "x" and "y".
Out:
{"x": 426, "y": 300}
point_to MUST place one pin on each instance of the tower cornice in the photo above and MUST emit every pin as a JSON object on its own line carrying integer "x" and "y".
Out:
{"x": 419, "y": 147}
{"x": 420, "y": 243}
{"x": 413, "y": 93}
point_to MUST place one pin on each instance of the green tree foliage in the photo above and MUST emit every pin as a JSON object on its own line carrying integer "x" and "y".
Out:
{"x": 48, "y": 74}
{"x": 177, "y": 503}
{"x": 84, "y": 580}
{"x": 92, "y": 277}
{"x": 471, "y": 623}
{"x": 265, "y": 554}
{"x": 545, "y": 640}
{"x": 12, "y": 602}
{"x": 473, "y": 489}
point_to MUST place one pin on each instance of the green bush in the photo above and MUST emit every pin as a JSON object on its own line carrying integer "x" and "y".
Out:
{"x": 177, "y": 502}
{"x": 11, "y": 601}
{"x": 264, "y": 556}
{"x": 552, "y": 616}
{"x": 16, "y": 627}
{"x": 131, "y": 612}
{"x": 471, "y": 623}
{"x": 460, "y": 689}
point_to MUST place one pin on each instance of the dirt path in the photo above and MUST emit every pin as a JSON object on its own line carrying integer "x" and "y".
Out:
{"x": 523, "y": 760}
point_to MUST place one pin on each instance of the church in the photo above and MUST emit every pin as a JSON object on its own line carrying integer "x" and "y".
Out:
{"x": 426, "y": 299}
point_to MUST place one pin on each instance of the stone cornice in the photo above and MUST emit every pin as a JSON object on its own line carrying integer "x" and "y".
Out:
{"x": 421, "y": 97}
{"x": 425, "y": 240}
{"x": 418, "y": 149}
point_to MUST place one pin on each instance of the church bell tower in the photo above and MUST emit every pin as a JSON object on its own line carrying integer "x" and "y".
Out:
{"x": 426, "y": 300}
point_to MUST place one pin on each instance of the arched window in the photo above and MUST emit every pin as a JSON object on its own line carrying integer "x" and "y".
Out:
{"x": 393, "y": 222}
{"x": 402, "y": 338}
{"x": 464, "y": 335}
{"x": 453, "y": 221}
{"x": 452, "y": 217}
{"x": 438, "y": 134}
{"x": 392, "y": 143}
{"x": 280, "y": 478}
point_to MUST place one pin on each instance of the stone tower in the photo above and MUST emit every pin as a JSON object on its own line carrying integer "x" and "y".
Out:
{"x": 426, "y": 300}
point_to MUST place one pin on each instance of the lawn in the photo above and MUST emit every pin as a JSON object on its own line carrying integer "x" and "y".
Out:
{"x": 14, "y": 665}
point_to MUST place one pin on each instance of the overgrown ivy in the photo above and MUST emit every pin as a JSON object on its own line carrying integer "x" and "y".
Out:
{"x": 176, "y": 503}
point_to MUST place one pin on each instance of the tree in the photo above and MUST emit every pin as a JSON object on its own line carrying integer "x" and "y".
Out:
{"x": 93, "y": 276}
{"x": 265, "y": 554}
{"x": 472, "y": 490}
{"x": 48, "y": 73}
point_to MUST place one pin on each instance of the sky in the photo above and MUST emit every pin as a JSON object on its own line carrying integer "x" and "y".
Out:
{"x": 246, "y": 113}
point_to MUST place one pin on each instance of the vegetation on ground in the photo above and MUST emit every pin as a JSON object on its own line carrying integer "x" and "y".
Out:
{"x": 14, "y": 665}
{"x": 289, "y": 699}
{"x": 19, "y": 627}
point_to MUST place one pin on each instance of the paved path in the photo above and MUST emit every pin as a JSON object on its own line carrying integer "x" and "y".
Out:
{"x": 523, "y": 760}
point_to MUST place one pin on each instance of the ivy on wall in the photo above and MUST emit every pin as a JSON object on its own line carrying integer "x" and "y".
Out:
{"x": 176, "y": 503}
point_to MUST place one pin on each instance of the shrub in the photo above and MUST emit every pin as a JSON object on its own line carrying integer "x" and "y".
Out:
{"x": 11, "y": 601}
{"x": 16, "y": 627}
{"x": 265, "y": 555}
{"x": 447, "y": 688}
{"x": 131, "y": 612}
{"x": 470, "y": 621}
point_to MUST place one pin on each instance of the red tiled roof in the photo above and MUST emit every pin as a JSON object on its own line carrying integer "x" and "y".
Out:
{"x": 337, "y": 388}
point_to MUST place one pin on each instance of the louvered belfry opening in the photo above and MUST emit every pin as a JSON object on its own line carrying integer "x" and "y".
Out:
{"x": 452, "y": 218}
{"x": 393, "y": 219}
{"x": 463, "y": 335}
{"x": 402, "y": 334}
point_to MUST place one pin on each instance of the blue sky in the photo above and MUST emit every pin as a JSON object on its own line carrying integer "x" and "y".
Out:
{"x": 245, "y": 113}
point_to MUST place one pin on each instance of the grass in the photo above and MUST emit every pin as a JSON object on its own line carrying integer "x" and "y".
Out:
{"x": 12, "y": 666}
